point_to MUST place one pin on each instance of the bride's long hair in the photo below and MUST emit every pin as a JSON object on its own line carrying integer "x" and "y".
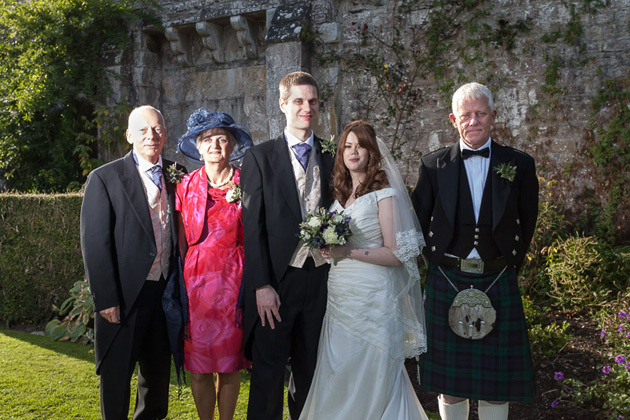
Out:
{"x": 375, "y": 178}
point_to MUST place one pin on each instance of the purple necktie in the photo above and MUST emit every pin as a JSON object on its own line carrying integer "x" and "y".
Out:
{"x": 302, "y": 151}
{"x": 156, "y": 175}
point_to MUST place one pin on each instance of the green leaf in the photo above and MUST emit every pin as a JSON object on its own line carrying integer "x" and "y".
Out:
{"x": 59, "y": 332}
{"x": 50, "y": 327}
{"x": 77, "y": 332}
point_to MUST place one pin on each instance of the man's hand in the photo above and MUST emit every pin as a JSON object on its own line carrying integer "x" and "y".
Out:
{"x": 268, "y": 303}
{"x": 111, "y": 315}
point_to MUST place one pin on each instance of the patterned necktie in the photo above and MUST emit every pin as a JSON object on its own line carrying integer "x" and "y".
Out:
{"x": 466, "y": 153}
{"x": 156, "y": 175}
{"x": 303, "y": 151}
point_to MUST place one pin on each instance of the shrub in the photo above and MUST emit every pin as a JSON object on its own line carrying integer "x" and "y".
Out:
{"x": 608, "y": 394}
{"x": 583, "y": 273}
{"x": 546, "y": 338}
{"x": 550, "y": 226}
{"x": 40, "y": 254}
{"x": 614, "y": 383}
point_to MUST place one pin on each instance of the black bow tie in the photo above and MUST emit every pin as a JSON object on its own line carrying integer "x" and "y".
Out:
{"x": 466, "y": 153}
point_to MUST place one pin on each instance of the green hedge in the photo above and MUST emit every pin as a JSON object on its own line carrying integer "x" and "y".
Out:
{"x": 40, "y": 254}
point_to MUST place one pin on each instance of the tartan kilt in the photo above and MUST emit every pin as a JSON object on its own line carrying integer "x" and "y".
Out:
{"x": 497, "y": 367}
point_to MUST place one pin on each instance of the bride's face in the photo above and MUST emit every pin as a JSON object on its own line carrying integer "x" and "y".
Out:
{"x": 355, "y": 157}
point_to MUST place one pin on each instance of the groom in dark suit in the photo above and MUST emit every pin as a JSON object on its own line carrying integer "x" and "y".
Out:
{"x": 477, "y": 202}
{"x": 284, "y": 281}
{"x": 128, "y": 242}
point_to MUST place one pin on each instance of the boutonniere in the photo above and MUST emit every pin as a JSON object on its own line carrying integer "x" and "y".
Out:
{"x": 234, "y": 194}
{"x": 329, "y": 146}
{"x": 173, "y": 174}
{"x": 506, "y": 171}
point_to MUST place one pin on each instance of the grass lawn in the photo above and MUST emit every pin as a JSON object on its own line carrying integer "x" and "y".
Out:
{"x": 45, "y": 379}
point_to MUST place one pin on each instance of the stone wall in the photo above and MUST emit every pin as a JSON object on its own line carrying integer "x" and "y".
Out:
{"x": 544, "y": 60}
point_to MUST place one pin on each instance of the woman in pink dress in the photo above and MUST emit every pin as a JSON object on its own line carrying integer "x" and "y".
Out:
{"x": 210, "y": 231}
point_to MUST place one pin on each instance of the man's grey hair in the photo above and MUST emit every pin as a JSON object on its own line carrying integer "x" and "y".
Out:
{"x": 143, "y": 108}
{"x": 471, "y": 91}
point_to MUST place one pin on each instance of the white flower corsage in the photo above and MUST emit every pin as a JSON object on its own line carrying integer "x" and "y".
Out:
{"x": 233, "y": 194}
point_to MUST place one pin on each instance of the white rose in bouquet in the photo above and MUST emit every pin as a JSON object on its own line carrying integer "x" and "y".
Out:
{"x": 330, "y": 236}
{"x": 314, "y": 222}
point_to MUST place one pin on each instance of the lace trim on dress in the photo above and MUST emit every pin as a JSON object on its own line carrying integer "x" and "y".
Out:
{"x": 408, "y": 246}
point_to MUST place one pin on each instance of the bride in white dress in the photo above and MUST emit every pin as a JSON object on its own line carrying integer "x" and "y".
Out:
{"x": 374, "y": 317}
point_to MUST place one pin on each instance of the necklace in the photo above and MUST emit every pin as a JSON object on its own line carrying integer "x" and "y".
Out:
{"x": 228, "y": 179}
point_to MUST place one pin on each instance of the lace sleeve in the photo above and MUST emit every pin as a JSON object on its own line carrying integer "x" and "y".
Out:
{"x": 407, "y": 247}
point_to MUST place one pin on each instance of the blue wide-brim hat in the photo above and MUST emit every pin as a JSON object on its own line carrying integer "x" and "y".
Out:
{"x": 202, "y": 120}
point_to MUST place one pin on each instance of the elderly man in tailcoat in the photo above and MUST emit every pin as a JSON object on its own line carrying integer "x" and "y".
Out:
{"x": 128, "y": 245}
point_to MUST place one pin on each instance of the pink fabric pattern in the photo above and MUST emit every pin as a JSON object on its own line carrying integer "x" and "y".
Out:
{"x": 213, "y": 270}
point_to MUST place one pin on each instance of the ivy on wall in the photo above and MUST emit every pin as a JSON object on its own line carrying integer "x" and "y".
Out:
{"x": 396, "y": 60}
{"x": 428, "y": 50}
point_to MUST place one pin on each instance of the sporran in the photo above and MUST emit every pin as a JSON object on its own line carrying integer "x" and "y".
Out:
{"x": 471, "y": 314}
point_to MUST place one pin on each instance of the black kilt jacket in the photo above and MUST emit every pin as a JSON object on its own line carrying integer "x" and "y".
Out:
{"x": 514, "y": 203}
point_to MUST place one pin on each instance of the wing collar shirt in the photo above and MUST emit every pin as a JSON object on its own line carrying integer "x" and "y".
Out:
{"x": 298, "y": 170}
{"x": 308, "y": 186}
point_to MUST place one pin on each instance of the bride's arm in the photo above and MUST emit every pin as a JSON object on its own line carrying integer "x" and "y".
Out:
{"x": 380, "y": 256}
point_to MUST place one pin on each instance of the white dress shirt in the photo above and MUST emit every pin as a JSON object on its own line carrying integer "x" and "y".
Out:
{"x": 477, "y": 173}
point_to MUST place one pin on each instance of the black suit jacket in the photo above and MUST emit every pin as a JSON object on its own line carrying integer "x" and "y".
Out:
{"x": 117, "y": 241}
{"x": 271, "y": 214}
{"x": 514, "y": 203}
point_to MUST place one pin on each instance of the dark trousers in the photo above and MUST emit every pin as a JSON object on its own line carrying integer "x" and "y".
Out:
{"x": 295, "y": 339}
{"x": 141, "y": 339}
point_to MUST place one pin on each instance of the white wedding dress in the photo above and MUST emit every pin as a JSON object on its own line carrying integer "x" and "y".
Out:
{"x": 360, "y": 371}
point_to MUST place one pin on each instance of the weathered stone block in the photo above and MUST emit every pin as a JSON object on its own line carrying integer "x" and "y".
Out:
{"x": 287, "y": 22}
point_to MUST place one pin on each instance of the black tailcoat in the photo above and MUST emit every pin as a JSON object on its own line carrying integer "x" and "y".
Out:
{"x": 118, "y": 243}
{"x": 271, "y": 216}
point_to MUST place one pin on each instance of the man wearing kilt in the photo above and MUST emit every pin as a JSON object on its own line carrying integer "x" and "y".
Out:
{"x": 477, "y": 202}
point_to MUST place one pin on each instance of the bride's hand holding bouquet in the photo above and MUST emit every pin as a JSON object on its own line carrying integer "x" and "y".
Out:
{"x": 326, "y": 231}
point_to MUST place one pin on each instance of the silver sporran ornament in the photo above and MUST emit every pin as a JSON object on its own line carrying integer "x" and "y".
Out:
{"x": 471, "y": 314}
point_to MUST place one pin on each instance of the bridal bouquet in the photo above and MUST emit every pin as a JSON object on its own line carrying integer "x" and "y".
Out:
{"x": 324, "y": 229}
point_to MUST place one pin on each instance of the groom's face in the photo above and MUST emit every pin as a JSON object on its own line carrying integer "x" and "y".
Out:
{"x": 301, "y": 109}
